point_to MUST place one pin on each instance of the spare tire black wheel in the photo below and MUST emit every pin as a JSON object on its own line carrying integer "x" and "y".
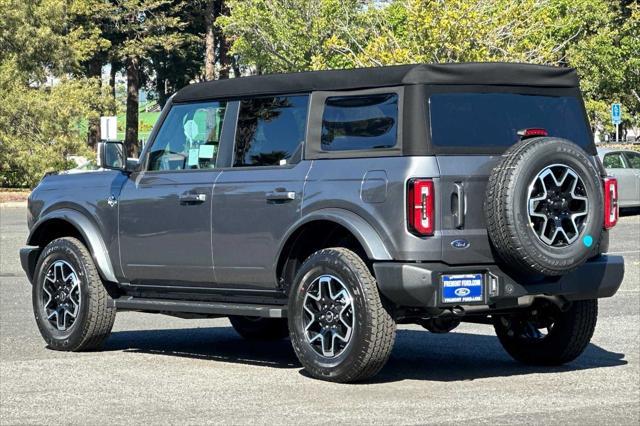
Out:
{"x": 544, "y": 207}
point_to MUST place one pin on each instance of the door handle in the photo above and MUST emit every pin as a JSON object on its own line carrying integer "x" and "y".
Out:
{"x": 457, "y": 205}
{"x": 191, "y": 198}
{"x": 280, "y": 195}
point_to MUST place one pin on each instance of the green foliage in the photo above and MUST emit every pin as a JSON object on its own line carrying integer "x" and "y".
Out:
{"x": 284, "y": 35}
{"x": 598, "y": 37}
{"x": 146, "y": 26}
{"x": 51, "y": 52}
{"x": 42, "y": 99}
{"x": 40, "y": 127}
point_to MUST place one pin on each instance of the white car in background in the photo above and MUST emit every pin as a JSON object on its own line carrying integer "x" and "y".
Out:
{"x": 624, "y": 165}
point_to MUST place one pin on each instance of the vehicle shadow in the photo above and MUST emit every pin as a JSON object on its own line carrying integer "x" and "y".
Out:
{"x": 460, "y": 356}
{"x": 208, "y": 343}
{"x": 629, "y": 211}
{"x": 417, "y": 355}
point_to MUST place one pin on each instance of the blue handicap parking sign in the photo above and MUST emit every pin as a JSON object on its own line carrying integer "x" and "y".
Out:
{"x": 616, "y": 113}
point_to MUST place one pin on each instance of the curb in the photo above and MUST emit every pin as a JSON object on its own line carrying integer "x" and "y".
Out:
{"x": 13, "y": 204}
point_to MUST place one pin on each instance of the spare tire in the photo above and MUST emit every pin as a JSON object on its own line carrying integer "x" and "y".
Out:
{"x": 544, "y": 207}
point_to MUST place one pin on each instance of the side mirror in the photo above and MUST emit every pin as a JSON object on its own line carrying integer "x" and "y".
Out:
{"x": 111, "y": 155}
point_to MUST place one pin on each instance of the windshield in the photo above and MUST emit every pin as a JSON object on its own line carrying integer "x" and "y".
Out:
{"x": 490, "y": 121}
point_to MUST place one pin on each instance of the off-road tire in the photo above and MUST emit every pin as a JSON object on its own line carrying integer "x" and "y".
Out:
{"x": 255, "y": 328}
{"x": 512, "y": 238}
{"x": 567, "y": 339}
{"x": 374, "y": 331}
{"x": 95, "y": 318}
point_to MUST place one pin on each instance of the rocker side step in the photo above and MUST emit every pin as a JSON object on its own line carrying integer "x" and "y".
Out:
{"x": 214, "y": 308}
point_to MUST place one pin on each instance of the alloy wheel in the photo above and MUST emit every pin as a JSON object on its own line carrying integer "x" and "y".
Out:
{"x": 329, "y": 316}
{"x": 557, "y": 205}
{"x": 61, "y": 295}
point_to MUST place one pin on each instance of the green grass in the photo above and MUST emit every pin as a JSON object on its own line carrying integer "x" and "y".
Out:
{"x": 146, "y": 121}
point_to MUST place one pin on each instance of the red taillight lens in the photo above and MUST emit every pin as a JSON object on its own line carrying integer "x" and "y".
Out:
{"x": 610, "y": 202}
{"x": 531, "y": 133}
{"x": 420, "y": 201}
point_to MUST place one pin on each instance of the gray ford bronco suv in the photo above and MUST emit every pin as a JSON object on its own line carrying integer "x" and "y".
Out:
{"x": 330, "y": 206}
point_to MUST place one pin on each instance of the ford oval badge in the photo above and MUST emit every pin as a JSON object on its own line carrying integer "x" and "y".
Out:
{"x": 462, "y": 292}
{"x": 460, "y": 244}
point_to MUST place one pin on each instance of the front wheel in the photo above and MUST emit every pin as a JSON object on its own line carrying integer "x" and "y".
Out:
{"x": 339, "y": 328}
{"x": 545, "y": 335}
{"x": 69, "y": 299}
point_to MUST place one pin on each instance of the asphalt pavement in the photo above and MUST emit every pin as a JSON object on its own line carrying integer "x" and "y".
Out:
{"x": 156, "y": 369}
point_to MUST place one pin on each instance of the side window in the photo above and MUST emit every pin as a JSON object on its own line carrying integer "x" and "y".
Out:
{"x": 189, "y": 137}
{"x": 613, "y": 161}
{"x": 633, "y": 158}
{"x": 360, "y": 122}
{"x": 270, "y": 130}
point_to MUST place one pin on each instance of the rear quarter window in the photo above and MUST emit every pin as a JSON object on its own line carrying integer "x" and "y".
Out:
{"x": 360, "y": 122}
{"x": 489, "y": 122}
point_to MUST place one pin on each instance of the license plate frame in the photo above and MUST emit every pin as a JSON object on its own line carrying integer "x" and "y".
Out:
{"x": 462, "y": 289}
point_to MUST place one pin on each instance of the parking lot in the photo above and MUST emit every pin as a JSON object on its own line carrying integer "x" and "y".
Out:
{"x": 158, "y": 369}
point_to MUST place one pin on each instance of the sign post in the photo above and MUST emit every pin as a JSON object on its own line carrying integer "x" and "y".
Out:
{"x": 109, "y": 128}
{"x": 616, "y": 117}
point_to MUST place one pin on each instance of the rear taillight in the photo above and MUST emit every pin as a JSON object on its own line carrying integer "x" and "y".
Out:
{"x": 610, "y": 202}
{"x": 420, "y": 201}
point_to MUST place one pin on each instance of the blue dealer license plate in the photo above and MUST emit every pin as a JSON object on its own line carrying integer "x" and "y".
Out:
{"x": 465, "y": 288}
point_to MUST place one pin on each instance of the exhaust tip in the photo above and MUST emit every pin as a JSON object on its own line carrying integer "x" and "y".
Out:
{"x": 458, "y": 310}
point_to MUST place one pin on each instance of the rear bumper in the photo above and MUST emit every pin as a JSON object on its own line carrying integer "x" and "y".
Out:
{"x": 28, "y": 259}
{"x": 417, "y": 285}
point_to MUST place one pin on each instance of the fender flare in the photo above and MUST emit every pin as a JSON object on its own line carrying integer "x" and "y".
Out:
{"x": 89, "y": 232}
{"x": 366, "y": 235}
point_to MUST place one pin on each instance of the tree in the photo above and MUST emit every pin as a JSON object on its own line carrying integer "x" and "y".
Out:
{"x": 598, "y": 37}
{"x": 283, "y": 35}
{"x": 209, "y": 41}
{"x": 89, "y": 20}
{"x": 145, "y": 27}
{"x": 216, "y": 41}
{"x": 45, "y": 97}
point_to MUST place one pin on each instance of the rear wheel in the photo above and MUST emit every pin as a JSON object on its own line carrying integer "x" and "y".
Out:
{"x": 339, "y": 328}
{"x": 256, "y": 328}
{"x": 69, "y": 298}
{"x": 547, "y": 336}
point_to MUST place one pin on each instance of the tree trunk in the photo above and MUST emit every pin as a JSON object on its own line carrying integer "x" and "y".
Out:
{"x": 112, "y": 79}
{"x": 94, "y": 70}
{"x": 133, "y": 87}
{"x": 225, "y": 65}
{"x": 223, "y": 56}
{"x": 209, "y": 42}
{"x": 236, "y": 67}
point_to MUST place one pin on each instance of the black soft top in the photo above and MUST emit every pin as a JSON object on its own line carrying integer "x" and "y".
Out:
{"x": 482, "y": 73}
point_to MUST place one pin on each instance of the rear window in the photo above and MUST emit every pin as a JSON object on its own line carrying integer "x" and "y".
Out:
{"x": 490, "y": 121}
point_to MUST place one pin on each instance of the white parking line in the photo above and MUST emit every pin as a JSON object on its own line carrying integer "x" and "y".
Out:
{"x": 624, "y": 252}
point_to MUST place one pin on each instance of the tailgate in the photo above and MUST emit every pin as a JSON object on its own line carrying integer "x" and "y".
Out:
{"x": 463, "y": 181}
